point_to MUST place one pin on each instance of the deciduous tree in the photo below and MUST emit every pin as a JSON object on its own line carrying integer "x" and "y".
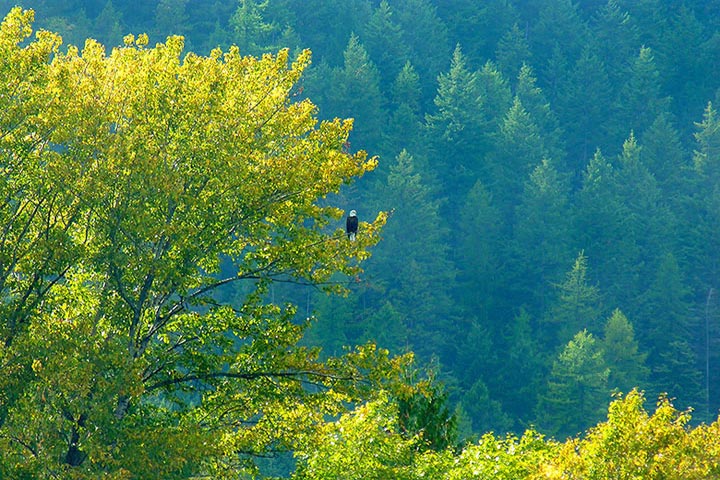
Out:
{"x": 127, "y": 178}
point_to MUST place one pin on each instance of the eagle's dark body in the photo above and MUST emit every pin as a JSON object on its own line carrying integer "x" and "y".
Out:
{"x": 351, "y": 225}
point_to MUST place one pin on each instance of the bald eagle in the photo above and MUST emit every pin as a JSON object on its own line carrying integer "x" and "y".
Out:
{"x": 351, "y": 225}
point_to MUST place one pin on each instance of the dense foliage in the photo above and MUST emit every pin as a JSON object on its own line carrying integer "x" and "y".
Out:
{"x": 551, "y": 174}
{"x": 135, "y": 187}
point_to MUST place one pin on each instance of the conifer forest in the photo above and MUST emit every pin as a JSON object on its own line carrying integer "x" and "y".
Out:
{"x": 533, "y": 290}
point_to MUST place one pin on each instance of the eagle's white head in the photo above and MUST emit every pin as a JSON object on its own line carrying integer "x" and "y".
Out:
{"x": 353, "y": 213}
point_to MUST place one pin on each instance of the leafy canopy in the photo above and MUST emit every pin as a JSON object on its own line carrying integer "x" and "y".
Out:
{"x": 138, "y": 189}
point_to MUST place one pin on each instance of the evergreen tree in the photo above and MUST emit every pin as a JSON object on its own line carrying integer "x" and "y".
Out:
{"x": 699, "y": 208}
{"x": 480, "y": 241}
{"x": 537, "y": 105}
{"x": 108, "y": 26}
{"x": 480, "y": 24}
{"x": 519, "y": 147}
{"x": 457, "y": 130}
{"x": 622, "y": 223}
{"x": 355, "y": 93}
{"x": 513, "y": 51}
{"x": 495, "y": 91}
{"x": 582, "y": 102}
{"x": 670, "y": 334}
{"x": 616, "y": 38}
{"x": 413, "y": 264}
{"x": 577, "y": 306}
{"x": 521, "y": 368}
{"x": 540, "y": 246}
{"x": 427, "y": 36}
{"x": 640, "y": 100}
{"x": 486, "y": 413}
{"x": 621, "y": 352}
{"x": 384, "y": 41}
{"x": 171, "y": 18}
{"x": 680, "y": 58}
{"x": 664, "y": 156}
{"x": 707, "y": 153}
{"x": 644, "y": 227}
{"x": 256, "y": 31}
{"x": 405, "y": 122}
{"x": 577, "y": 391}
{"x": 324, "y": 27}
{"x": 557, "y": 24}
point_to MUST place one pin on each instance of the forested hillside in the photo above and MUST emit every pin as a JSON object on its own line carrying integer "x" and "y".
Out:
{"x": 550, "y": 171}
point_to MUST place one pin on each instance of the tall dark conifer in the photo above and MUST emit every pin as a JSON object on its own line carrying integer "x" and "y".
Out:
{"x": 457, "y": 128}
{"x": 384, "y": 41}
{"x": 412, "y": 264}
{"x": 540, "y": 247}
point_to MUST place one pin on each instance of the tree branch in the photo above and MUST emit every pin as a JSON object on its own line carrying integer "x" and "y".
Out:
{"x": 247, "y": 376}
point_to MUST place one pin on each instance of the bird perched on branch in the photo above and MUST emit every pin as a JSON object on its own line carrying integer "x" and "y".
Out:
{"x": 351, "y": 225}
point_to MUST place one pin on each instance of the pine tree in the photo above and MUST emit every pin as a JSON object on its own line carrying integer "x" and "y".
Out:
{"x": 537, "y": 105}
{"x": 584, "y": 96}
{"x": 413, "y": 265}
{"x": 616, "y": 37}
{"x": 577, "y": 306}
{"x": 480, "y": 24}
{"x": 384, "y": 41}
{"x": 480, "y": 244}
{"x": 108, "y": 26}
{"x": 521, "y": 368}
{"x": 664, "y": 155}
{"x": 557, "y": 24}
{"x": 701, "y": 199}
{"x": 171, "y": 17}
{"x": 680, "y": 56}
{"x": 458, "y": 129}
{"x": 258, "y": 28}
{"x": 640, "y": 99}
{"x": 495, "y": 91}
{"x": 405, "y": 122}
{"x": 519, "y": 147}
{"x": 540, "y": 246}
{"x": 513, "y": 51}
{"x": 577, "y": 391}
{"x": 427, "y": 36}
{"x": 622, "y": 223}
{"x": 644, "y": 227}
{"x": 622, "y": 354}
{"x": 669, "y": 335}
{"x": 324, "y": 27}
{"x": 356, "y": 93}
{"x": 485, "y": 412}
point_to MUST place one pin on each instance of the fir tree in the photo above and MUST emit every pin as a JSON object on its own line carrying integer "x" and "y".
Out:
{"x": 640, "y": 99}
{"x": 537, "y": 105}
{"x": 577, "y": 392}
{"x": 480, "y": 242}
{"x": 521, "y": 368}
{"x": 405, "y": 122}
{"x": 495, "y": 91}
{"x": 518, "y": 149}
{"x": 582, "y": 102}
{"x": 669, "y": 335}
{"x": 513, "y": 51}
{"x": 616, "y": 37}
{"x": 356, "y": 93}
{"x": 457, "y": 130}
{"x": 577, "y": 306}
{"x": 385, "y": 43}
{"x": 622, "y": 354}
{"x": 413, "y": 264}
{"x": 540, "y": 246}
